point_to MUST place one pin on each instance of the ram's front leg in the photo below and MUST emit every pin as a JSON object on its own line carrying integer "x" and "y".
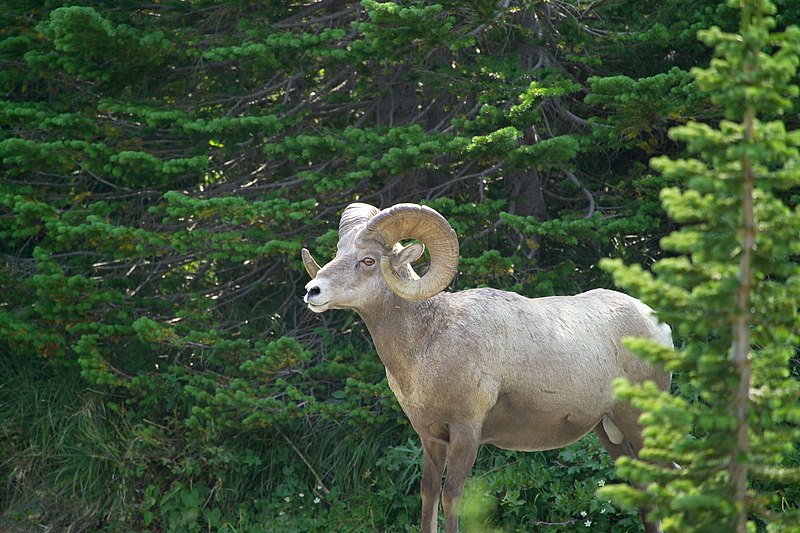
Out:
{"x": 461, "y": 453}
{"x": 434, "y": 456}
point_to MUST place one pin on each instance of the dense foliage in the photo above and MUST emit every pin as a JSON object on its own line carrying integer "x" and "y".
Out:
{"x": 732, "y": 291}
{"x": 161, "y": 165}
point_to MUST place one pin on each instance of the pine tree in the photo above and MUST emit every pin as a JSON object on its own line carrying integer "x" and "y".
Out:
{"x": 731, "y": 293}
{"x": 161, "y": 164}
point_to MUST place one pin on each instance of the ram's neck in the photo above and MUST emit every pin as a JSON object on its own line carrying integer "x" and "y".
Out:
{"x": 400, "y": 329}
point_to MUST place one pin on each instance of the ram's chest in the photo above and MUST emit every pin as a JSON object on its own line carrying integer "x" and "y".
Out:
{"x": 431, "y": 404}
{"x": 402, "y": 387}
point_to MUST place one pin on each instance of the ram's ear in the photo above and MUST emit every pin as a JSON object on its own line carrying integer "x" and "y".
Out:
{"x": 407, "y": 255}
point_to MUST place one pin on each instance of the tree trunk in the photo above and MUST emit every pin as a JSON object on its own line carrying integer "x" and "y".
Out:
{"x": 741, "y": 331}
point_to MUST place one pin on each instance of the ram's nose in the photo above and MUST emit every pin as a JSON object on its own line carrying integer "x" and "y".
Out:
{"x": 312, "y": 292}
{"x": 315, "y": 297}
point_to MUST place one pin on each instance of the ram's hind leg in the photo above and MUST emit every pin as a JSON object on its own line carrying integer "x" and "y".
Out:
{"x": 621, "y": 435}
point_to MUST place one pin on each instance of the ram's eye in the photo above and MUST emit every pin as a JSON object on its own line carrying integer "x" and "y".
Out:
{"x": 368, "y": 261}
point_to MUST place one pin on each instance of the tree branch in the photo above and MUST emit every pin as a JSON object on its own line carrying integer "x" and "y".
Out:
{"x": 586, "y": 192}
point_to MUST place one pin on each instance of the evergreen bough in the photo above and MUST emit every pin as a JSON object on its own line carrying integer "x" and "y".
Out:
{"x": 731, "y": 293}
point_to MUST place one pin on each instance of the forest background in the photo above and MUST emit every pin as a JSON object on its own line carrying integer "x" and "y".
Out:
{"x": 162, "y": 164}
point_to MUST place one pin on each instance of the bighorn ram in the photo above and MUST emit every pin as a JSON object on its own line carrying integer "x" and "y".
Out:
{"x": 482, "y": 365}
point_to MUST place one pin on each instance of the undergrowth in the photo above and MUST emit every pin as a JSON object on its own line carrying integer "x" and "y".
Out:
{"x": 61, "y": 452}
{"x": 76, "y": 459}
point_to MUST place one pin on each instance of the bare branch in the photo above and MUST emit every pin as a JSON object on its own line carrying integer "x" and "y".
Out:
{"x": 574, "y": 179}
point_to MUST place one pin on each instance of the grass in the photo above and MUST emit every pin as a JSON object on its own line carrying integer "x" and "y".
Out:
{"x": 60, "y": 451}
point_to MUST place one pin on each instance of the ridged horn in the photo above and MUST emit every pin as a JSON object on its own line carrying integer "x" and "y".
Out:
{"x": 311, "y": 266}
{"x": 356, "y": 215}
{"x": 412, "y": 221}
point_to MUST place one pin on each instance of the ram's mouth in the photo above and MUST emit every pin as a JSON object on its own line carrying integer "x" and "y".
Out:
{"x": 318, "y": 308}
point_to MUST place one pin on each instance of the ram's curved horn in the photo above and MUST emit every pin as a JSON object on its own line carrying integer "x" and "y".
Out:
{"x": 355, "y": 216}
{"x": 412, "y": 221}
{"x": 311, "y": 266}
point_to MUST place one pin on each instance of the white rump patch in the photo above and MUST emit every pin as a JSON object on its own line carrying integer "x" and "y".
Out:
{"x": 614, "y": 433}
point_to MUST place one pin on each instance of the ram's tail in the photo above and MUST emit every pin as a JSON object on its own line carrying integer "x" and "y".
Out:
{"x": 665, "y": 335}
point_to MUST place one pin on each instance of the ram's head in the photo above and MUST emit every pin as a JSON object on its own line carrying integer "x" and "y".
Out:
{"x": 369, "y": 257}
